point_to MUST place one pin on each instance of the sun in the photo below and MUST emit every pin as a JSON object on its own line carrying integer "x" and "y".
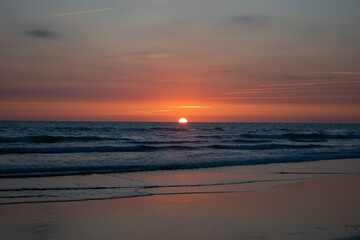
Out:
{"x": 183, "y": 120}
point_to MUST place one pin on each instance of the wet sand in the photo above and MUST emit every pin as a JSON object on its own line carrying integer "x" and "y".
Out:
{"x": 325, "y": 208}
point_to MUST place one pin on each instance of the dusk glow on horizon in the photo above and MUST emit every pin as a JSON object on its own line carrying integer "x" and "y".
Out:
{"x": 149, "y": 60}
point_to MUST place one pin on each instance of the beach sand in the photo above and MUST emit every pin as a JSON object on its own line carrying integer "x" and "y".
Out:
{"x": 324, "y": 208}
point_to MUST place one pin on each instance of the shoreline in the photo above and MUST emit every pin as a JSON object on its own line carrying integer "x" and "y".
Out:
{"x": 227, "y": 179}
{"x": 169, "y": 182}
{"x": 323, "y": 208}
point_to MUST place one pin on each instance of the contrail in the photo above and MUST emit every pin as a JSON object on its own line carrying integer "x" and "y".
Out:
{"x": 76, "y": 13}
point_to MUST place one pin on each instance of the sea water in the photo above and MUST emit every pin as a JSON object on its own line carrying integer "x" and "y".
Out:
{"x": 68, "y": 161}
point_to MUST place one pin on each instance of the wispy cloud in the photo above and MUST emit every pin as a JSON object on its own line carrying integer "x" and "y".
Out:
{"x": 195, "y": 80}
{"x": 338, "y": 73}
{"x": 248, "y": 22}
{"x": 191, "y": 107}
{"x": 151, "y": 111}
{"x": 281, "y": 87}
{"x": 257, "y": 90}
{"x": 283, "y": 97}
{"x": 160, "y": 111}
{"x": 317, "y": 89}
{"x": 76, "y": 13}
{"x": 159, "y": 55}
{"x": 149, "y": 55}
{"x": 248, "y": 19}
{"x": 41, "y": 33}
{"x": 312, "y": 83}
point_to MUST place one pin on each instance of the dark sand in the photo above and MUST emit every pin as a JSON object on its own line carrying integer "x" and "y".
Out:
{"x": 325, "y": 208}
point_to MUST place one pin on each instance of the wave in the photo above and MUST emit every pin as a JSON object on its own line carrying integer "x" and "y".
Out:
{"x": 301, "y": 136}
{"x": 34, "y": 189}
{"x": 59, "y": 139}
{"x": 249, "y": 141}
{"x": 213, "y": 129}
{"x": 107, "y": 169}
{"x": 148, "y": 148}
{"x": 136, "y": 148}
{"x": 209, "y": 136}
{"x": 184, "y": 128}
{"x": 265, "y": 146}
{"x": 244, "y": 138}
{"x": 306, "y": 136}
{"x": 170, "y": 129}
{"x": 166, "y": 142}
{"x": 51, "y": 139}
{"x": 139, "y": 191}
{"x": 73, "y": 128}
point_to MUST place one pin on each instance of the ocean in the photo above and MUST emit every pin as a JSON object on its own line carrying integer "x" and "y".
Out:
{"x": 73, "y": 161}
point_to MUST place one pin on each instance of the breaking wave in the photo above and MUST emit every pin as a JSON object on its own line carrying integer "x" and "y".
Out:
{"x": 148, "y": 148}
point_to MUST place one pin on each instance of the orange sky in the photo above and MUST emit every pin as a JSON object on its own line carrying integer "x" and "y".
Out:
{"x": 223, "y": 61}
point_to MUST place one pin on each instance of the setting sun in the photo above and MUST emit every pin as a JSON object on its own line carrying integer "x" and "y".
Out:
{"x": 183, "y": 120}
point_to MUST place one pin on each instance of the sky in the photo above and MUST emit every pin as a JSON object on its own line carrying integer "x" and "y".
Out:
{"x": 159, "y": 60}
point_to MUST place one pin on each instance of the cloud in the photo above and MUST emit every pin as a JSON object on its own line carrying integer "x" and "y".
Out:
{"x": 76, "y": 13}
{"x": 40, "y": 33}
{"x": 152, "y": 111}
{"x": 248, "y": 20}
{"x": 195, "y": 80}
{"x": 318, "y": 90}
{"x": 284, "y": 97}
{"x": 191, "y": 107}
{"x": 338, "y": 73}
{"x": 258, "y": 90}
{"x": 159, "y": 55}
{"x": 313, "y": 83}
{"x": 150, "y": 55}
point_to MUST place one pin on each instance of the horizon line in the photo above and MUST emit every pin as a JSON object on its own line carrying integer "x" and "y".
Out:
{"x": 264, "y": 122}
